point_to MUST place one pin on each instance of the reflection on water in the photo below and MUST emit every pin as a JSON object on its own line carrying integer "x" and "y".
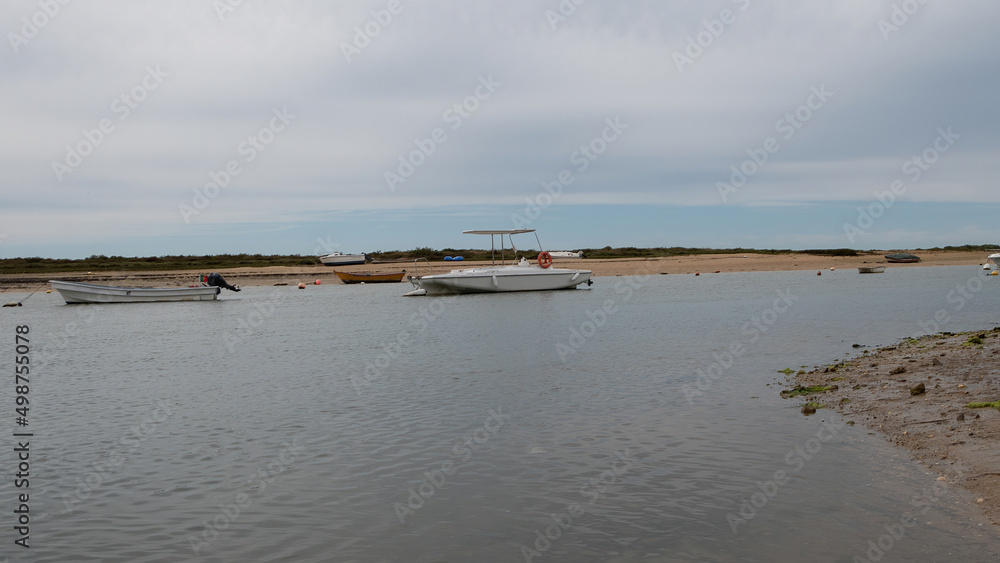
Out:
{"x": 637, "y": 420}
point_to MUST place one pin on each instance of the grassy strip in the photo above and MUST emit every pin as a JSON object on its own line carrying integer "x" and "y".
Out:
{"x": 993, "y": 405}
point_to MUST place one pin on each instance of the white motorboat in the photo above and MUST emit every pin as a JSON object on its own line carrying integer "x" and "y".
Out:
{"x": 992, "y": 262}
{"x": 341, "y": 259}
{"x": 557, "y": 254}
{"x": 75, "y": 292}
{"x": 521, "y": 275}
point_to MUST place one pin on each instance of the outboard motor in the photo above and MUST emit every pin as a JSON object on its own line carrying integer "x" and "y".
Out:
{"x": 216, "y": 280}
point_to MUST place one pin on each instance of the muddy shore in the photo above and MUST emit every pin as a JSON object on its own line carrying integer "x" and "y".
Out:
{"x": 918, "y": 393}
{"x": 701, "y": 263}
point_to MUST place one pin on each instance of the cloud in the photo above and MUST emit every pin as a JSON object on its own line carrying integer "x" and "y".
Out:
{"x": 225, "y": 76}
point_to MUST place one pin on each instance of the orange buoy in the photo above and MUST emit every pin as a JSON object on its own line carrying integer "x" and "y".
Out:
{"x": 318, "y": 282}
{"x": 819, "y": 273}
{"x": 697, "y": 273}
{"x": 302, "y": 285}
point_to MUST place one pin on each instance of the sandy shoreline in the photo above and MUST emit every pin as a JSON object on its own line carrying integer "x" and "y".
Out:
{"x": 701, "y": 263}
{"x": 881, "y": 391}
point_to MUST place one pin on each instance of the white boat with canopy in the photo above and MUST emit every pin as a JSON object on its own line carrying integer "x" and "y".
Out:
{"x": 519, "y": 275}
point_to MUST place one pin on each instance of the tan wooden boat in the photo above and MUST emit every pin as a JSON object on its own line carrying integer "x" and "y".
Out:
{"x": 347, "y": 277}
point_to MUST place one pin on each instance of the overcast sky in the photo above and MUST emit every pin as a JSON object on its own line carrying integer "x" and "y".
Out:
{"x": 149, "y": 128}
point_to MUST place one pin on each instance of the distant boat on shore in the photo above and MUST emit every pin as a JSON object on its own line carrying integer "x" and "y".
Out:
{"x": 902, "y": 258}
{"x": 341, "y": 259}
{"x": 557, "y": 254}
{"x": 347, "y": 277}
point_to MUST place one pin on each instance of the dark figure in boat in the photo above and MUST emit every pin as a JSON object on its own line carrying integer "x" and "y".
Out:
{"x": 216, "y": 280}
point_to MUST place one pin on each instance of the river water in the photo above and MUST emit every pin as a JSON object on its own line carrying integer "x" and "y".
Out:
{"x": 638, "y": 420}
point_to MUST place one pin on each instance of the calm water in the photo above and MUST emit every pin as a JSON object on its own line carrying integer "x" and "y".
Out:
{"x": 347, "y": 423}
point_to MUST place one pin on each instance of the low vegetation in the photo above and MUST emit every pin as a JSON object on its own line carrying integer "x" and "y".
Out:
{"x": 115, "y": 263}
{"x": 102, "y": 263}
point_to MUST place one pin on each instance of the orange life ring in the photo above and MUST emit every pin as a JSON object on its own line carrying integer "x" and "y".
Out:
{"x": 544, "y": 259}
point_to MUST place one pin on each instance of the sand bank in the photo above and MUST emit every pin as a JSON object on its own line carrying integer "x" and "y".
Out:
{"x": 701, "y": 263}
{"x": 917, "y": 394}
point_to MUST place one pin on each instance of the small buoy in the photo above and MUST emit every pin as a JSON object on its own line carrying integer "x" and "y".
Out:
{"x": 697, "y": 273}
{"x": 819, "y": 273}
{"x": 718, "y": 271}
{"x": 302, "y": 285}
{"x": 318, "y": 282}
{"x": 994, "y": 272}
{"x": 832, "y": 269}
{"x": 48, "y": 291}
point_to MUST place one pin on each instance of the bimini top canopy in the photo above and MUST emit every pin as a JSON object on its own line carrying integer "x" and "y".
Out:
{"x": 499, "y": 232}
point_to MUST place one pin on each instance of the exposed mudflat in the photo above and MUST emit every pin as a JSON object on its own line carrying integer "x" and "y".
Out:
{"x": 880, "y": 390}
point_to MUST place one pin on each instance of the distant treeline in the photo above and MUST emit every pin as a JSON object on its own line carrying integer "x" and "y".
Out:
{"x": 103, "y": 263}
{"x": 222, "y": 261}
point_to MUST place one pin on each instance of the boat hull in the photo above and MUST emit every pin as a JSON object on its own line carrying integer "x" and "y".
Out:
{"x": 348, "y": 277}
{"x": 342, "y": 259}
{"x": 503, "y": 279}
{"x": 902, "y": 258}
{"x": 871, "y": 270}
{"x": 75, "y": 293}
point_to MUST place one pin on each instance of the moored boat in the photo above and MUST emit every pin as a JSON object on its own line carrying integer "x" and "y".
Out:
{"x": 902, "y": 258}
{"x": 521, "y": 275}
{"x": 992, "y": 262}
{"x": 871, "y": 269}
{"x": 394, "y": 277}
{"x": 563, "y": 254}
{"x": 76, "y": 292}
{"x": 341, "y": 259}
